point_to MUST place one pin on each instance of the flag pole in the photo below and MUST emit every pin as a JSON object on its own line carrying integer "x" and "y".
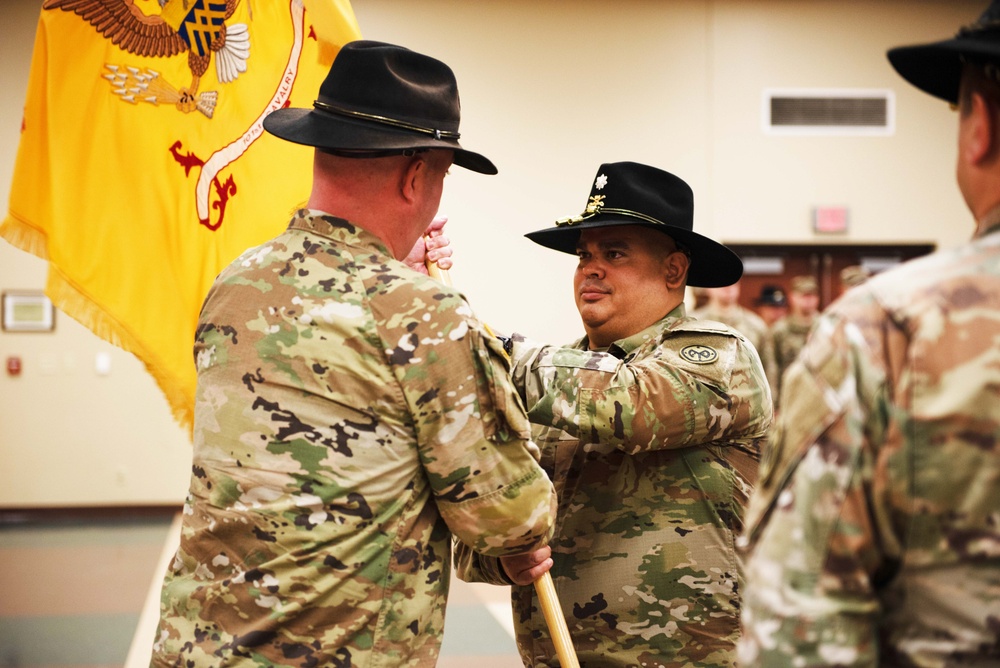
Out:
{"x": 554, "y": 619}
{"x": 544, "y": 586}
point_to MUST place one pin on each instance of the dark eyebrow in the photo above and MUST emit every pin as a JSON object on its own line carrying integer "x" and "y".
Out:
{"x": 613, "y": 244}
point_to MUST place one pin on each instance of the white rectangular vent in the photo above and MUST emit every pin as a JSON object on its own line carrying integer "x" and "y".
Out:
{"x": 819, "y": 111}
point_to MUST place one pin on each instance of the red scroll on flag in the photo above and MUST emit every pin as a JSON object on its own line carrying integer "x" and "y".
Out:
{"x": 143, "y": 168}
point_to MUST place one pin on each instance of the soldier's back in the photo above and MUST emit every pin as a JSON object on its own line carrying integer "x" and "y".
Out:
{"x": 886, "y": 469}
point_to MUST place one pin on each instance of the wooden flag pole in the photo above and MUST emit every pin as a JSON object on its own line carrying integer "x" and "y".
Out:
{"x": 438, "y": 274}
{"x": 554, "y": 619}
{"x": 544, "y": 586}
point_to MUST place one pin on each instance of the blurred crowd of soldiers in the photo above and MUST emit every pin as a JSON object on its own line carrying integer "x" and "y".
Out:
{"x": 780, "y": 321}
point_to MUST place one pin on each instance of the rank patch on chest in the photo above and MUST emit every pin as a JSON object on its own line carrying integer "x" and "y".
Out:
{"x": 698, "y": 354}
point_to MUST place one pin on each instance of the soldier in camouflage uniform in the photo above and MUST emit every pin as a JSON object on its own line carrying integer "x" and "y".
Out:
{"x": 651, "y": 428}
{"x": 771, "y": 304}
{"x": 789, "y": 334}
{"x": 352, "y": 414}
{"x": 874, "y": 534}
{"x": 853, "y": 276}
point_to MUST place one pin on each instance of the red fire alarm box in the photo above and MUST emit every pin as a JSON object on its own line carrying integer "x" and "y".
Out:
{"x": 13, "y": 365}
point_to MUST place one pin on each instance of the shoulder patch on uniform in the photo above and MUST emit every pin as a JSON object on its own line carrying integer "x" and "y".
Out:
{"x": 699, "y": 354}
{"x": 695, "y": 325}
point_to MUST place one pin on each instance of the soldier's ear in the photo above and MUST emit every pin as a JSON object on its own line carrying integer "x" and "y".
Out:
{"x": 413, "y": 169}
{"x": 676, "y": 266}
{"x": 978, "y": 130}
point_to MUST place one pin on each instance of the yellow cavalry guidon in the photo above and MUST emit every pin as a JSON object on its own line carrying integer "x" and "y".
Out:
{"x": 143, "y": 168}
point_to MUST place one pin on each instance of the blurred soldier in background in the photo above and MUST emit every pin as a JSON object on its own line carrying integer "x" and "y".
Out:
{"x": 724, "y": 306}
{"x": 772, "y": 304}
{"x": 853, "y": 276}
{"x": 789, "y": 333}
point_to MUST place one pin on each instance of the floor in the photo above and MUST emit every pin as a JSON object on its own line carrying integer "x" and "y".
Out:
{"x": 79, "y": 591}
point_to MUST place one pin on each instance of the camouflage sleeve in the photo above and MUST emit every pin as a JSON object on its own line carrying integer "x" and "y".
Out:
{"x": 815, "y": 543}
{"x": 472, "y": 431}
{"x": 656, "y": 401}
{"x": 471, "y": 566}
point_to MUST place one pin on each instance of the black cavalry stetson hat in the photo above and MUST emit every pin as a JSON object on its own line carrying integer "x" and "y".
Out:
{"x": 771, "y": 295}
{"x": 936, "y": 68}
{"x": 628, "y": 193}
{"x": 380, "y": 97}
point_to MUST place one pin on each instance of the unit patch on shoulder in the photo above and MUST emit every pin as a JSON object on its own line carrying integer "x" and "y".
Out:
{"x": 699, "y": 354}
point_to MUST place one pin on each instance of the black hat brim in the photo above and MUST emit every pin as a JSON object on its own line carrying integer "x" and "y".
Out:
{"x": 712, "y": 264}
{"x": 324, "y": 131}
{"x": 936, "y": 68}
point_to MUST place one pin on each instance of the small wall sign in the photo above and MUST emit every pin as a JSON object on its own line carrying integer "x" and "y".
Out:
{"x": 830, "y": 219}
{"x": 28, "y": 311}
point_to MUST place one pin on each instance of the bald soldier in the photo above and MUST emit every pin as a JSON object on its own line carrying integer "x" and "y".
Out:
{"x": 651, "y": 427}
{"x": 874, "y": 537}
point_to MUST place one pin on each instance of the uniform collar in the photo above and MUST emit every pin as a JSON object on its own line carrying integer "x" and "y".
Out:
{"x": 989, "y": 224}
{"x": 337, "y": 229}
{"x": 622, "y": 348}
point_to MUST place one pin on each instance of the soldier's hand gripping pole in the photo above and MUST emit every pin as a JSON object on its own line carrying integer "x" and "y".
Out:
{"x": 544, "y": 586}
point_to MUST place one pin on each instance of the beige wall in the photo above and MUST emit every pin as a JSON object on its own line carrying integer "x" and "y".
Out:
{"x": 550, "y": 89}
{"x": 897, "y": 188}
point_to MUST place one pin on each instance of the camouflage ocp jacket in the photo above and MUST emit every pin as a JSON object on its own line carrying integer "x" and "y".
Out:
{"x": 874, "y": 535}
{"x": 653, "y": 447}
{"x": 352, "y": 415}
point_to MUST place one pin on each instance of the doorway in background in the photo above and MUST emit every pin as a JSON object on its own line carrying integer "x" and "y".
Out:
{"x": 777, "y": 264}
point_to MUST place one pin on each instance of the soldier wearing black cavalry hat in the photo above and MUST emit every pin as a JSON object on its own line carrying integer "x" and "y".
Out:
{"x": 651, "y": 427}
{"x": 352, "y": 414}
{"x": 874, "y": 536}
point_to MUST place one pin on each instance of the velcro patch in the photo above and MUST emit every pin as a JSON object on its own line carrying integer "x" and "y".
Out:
{"x": 699, "y": 354}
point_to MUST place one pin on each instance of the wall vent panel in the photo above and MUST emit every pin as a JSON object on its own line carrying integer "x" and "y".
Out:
{"x": 829, "y": 112}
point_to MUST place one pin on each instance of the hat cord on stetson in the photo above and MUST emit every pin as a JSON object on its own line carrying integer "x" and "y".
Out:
{"x": 437, "y": 134}
{"x": 586, "y": 215}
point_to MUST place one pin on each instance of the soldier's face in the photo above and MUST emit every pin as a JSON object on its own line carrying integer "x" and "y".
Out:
{"x": 624, "y": 280}
{"x": 804, "y": 303}
{"x": 725, "y": 296}
{"x": 771, "y": 314}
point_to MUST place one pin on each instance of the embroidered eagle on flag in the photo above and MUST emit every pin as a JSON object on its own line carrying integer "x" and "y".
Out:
{"x": 196, "y": 26}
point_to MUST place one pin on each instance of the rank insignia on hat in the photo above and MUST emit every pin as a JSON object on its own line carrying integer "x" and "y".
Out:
{"x": 630, "y": 193}
{"x": 595, "y": 204}
{"x": 593, "y": 208}
{"x": 699, "y": 354}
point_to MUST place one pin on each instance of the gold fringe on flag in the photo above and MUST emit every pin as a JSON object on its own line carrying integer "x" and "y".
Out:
{"x": 72, "y": 301}
{"x": 25, "y": 236}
